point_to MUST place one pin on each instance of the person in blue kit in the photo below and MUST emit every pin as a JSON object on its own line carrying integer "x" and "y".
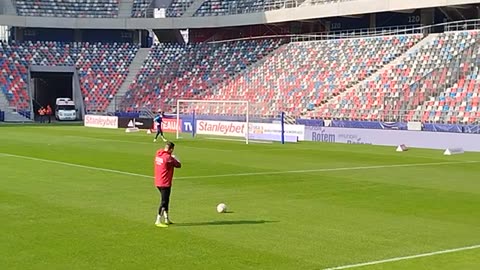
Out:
{"x": 158, "y": 121}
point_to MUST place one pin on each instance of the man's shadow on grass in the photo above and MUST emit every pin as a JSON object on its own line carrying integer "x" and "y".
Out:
{"x": 224, "y": 222}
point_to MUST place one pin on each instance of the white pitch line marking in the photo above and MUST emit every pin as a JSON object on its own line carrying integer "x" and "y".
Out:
{"x": 404, "y": 258}
{"x": 243, "y": 174}
{"x": 329, "y": 169}
{"x": 76, "y": 165}
{"x": 288, "y": 172}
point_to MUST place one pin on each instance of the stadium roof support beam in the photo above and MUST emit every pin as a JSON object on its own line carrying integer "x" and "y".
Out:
{"x": 452, "y": 13}
{"x": 459, "y": 13}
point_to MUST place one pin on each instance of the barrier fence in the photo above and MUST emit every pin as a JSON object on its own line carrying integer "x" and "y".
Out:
{"x": 294, "y": 133}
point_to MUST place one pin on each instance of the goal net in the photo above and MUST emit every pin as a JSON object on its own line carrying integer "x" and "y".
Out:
{"x": 230, "y": 120}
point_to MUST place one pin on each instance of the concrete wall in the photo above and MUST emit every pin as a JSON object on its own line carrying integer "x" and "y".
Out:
{"x": 291, "y": 14}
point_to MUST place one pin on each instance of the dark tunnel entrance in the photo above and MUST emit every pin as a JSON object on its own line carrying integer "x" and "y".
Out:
{"x": 48, "y": 86}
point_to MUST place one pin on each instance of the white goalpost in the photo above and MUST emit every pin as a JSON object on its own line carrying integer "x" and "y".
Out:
{"x": 215, "y": 117}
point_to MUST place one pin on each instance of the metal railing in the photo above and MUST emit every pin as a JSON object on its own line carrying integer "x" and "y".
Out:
{"x": 464, "y": 25}
{"x": 363, "y": 32}
{"x": 438, "y": 117}
{"x": 345, "y": 34}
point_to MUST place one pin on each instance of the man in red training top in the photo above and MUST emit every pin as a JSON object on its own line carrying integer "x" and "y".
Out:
{"x": 165, "y": 163}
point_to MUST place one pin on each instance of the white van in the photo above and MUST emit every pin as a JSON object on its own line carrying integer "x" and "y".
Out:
{"x": 65, "y": 109}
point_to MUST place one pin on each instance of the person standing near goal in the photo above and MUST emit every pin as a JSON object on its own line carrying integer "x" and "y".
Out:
{"x": 158, "y": 121}
{"x": 165, "y": 164}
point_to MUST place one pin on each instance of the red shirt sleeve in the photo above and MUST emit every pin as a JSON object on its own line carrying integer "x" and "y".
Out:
{"x": 175, "y": 163}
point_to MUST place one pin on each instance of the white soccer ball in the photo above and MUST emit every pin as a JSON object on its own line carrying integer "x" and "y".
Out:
{"x": 221, "y": 208}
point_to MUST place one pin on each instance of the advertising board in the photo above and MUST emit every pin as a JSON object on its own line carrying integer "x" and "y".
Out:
{"x": 239, "y": 129}
{"x": 170, "y": 125}
{"x": 416, "y": 139}
{"x": 101, "y": 121}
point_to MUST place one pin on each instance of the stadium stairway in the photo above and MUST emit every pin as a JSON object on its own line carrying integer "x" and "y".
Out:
{"x": 320, "y": 110}
{"x": 3, "y": 102}
{"x": 11, "y": 115}
{"x": 125, "y": 8}
{"x": 133, "y": 70}
{"x": 7, "y": 8}
{"x": 193, "y": 8}
{"x": 417, "y": 47}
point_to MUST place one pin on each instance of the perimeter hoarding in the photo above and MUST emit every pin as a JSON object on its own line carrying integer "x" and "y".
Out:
{"x": 417, "y": 139}
{"x": 239, "y": 129}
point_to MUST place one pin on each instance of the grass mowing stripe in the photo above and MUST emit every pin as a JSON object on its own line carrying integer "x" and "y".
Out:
{"x": 404, "y": 258}
{"x": 245, "y": 174}
{"x": 146, "y": 143}
{"x": 76, "y": 165}
{"x": 330, "y": 169}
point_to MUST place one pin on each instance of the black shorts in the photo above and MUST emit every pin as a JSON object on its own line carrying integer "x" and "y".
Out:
{"x": 165, "y": 197}
{"x": 159, "y": 127}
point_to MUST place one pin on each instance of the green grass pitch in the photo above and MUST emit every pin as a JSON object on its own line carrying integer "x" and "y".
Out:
{"x": 58, "y": 215}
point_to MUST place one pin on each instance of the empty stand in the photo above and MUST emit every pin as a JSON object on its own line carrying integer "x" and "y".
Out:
{"x": 226, "y": 7}
{"x": 14, "y": 77}
{"x": 302, "y": 75}
{"x": 173, "y": 71}
{"x": 143, "y": 8}
{"x": 102, "y": 68}
{"x": 430, "y": 84}
{"x": 140, "y": 7}
{"x": 458, "y": 101}
{"x": 66, "y": 8}
{"x": 178, "y": 7}
{"x": 391, "y": 78}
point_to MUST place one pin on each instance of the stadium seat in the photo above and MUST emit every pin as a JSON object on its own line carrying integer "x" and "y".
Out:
{"x": 225, "y": 7}
{"x": 102, "y": 68}
{"x": 173, "y": 71}
{"x": 431, "y": 84}
{"x": 67, "y": 8}
{"x": 379, "y": 78}
{"x": 178, "y": 7}
{"x": 140, "y": 7}
{"x": 303, "y": 75}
